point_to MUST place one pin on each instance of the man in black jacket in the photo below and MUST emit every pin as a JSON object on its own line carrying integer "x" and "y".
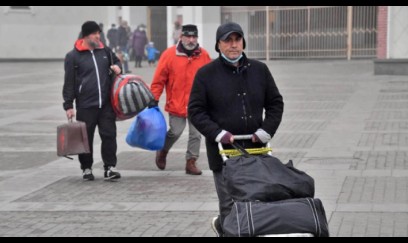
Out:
{"x": 88, "y": 82}
{"x": 229, "y": 97}
{"x": 112, "y": 36}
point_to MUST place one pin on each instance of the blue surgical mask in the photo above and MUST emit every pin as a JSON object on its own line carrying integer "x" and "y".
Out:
{"x": 230, "y": 60}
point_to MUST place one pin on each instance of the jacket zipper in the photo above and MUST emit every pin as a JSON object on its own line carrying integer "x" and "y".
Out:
{"x": 243, "y": 94}
{"x": 98, "y": 79}
{"x": 190, "y": 59}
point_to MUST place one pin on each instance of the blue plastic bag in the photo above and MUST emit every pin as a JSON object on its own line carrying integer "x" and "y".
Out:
{"x": 148, "y": 130}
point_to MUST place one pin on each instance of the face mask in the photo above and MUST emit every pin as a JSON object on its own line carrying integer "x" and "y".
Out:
{"x": 230, "y": 60}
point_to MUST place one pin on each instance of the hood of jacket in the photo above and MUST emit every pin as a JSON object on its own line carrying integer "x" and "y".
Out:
{"x": 80, "y": 47}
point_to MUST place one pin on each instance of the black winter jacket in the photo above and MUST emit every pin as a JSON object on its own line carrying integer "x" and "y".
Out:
{"x": 224, "y": 97}
{"x": 87, "y": 80}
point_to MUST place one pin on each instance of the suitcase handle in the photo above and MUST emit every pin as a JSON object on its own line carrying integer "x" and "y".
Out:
{"x": 243, "y": 137}
{"x": 240, "y": 137}
{"x": 241, "y": 149}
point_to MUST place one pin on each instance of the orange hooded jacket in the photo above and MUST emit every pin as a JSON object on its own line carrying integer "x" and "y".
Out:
{"x": 175, "y": 72}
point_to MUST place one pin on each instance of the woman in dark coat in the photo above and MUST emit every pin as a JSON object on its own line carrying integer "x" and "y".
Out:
{"x": 139, "y": 41}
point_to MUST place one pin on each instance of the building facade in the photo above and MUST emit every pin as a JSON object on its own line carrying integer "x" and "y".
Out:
{"x": 272, "y": 32}
{"x": 392, "y": 50}
{"x": 49, "y": 32}
{"x": 43, "y": 32}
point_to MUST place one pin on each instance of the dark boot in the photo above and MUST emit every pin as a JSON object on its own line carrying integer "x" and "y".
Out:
{"x": 191, "y": 167}
{"x": 161, "y": 159}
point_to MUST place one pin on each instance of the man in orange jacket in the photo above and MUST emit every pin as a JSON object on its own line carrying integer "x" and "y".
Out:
{"x": 175, "y": 72}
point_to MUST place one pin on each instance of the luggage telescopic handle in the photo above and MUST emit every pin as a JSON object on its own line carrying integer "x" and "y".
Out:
{"x": 243, "y": 137}
{"x": 241, "y": 149}
{"x": 240, "y": 137}
{"x": 220, "y": 148}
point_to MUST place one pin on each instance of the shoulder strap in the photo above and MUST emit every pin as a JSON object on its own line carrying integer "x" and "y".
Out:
{"x": 109, "y": 54}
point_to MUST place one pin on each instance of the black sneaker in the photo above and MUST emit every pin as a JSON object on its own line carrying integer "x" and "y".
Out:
{"x": 112, "y": 174}
{"x": 87, "y": 175}
{"x": 216, "y": 226}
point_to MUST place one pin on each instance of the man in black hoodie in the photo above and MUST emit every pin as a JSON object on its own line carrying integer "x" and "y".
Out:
{"x": 229, "y": 97}
{"x": 88, "y": 82}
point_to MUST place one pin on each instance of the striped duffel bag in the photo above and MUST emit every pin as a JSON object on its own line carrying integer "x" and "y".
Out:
{"x": 130, "y": 95}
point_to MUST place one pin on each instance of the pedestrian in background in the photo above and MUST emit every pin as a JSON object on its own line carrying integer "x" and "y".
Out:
{"x": 103, "y": 39}
{"x": 175, "y": 73}
{"x": 152, "y": 52}
{"x": 139, "y": 42}
{"x": 112, "y": 36}
{"x": 123, "y": 40}
{"x": 176, "y": 32}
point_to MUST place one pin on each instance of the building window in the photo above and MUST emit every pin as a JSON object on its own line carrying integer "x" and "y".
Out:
{"x": 19, "y": 9}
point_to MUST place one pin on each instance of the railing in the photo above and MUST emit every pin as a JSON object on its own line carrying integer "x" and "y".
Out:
{"x": 306, "y": 31}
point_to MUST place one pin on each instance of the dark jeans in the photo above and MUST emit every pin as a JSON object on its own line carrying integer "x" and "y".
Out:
{"x": 105, "y": 119}
{"x": 138, "y": 61}
{"x": 224, "y": 199}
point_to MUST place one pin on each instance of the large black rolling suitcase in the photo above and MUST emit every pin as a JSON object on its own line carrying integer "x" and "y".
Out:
{"x": 266, "y": 206}
{"x": 300, "y": 215}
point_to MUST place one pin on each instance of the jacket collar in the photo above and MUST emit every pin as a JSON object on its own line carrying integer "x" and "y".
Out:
{"x": 243, "y": 63}
{"x": 180, "y": 51}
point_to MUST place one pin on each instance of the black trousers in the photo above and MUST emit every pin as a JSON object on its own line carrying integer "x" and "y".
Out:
{"x": 225, "y": 201}
{"x": 105, "y": 119}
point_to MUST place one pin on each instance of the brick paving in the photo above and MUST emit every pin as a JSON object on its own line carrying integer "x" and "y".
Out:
{"x": 344, "y": 126}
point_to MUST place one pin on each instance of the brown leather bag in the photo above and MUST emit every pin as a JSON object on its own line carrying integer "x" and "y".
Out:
{"x": 72, "y": 139}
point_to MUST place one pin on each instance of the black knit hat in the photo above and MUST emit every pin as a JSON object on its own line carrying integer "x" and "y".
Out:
{"x": 225, "y": 30}
{"x": 89, "y": 27}
{"x": 189, "y": 29}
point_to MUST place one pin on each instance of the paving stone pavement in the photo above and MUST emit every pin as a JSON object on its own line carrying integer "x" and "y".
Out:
{"x": 342, "y": 125}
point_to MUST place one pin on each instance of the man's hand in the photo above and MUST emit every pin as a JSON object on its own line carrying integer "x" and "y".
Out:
{"x": 116, "y": 69}
{"x": 70, "y": 113}
{"x": 228, "y": 138}
{"x": 255, "y": 138}
{"x": 153, "y": 103}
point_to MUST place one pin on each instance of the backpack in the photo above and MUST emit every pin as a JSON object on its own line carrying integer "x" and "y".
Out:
{"x": 130, "y": 96}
